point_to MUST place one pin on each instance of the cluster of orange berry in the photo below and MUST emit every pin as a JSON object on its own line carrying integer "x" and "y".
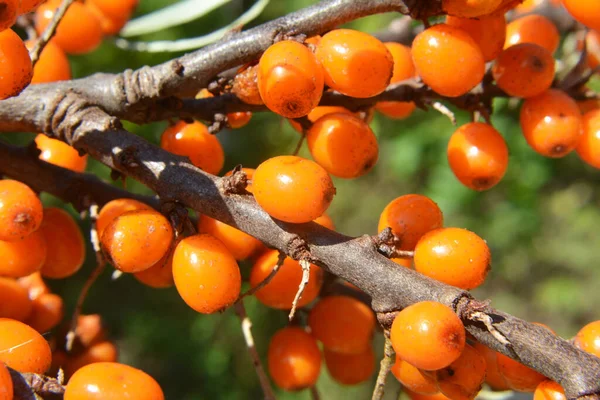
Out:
{"x": 80, "y": 31}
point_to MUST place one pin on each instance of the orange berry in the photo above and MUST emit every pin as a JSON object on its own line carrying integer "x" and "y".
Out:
{"x": 535, "y": 29}
{"x": 355, "y": 63}
{"x": 488, "y": 32}
{"x": 104, "y": 351}
{"x": 136, "y": 240}
{"x": 59, "y": 153}
{"x": 34, "y": 284}
{"x": 293, "y": 359}
{"x": 292, "y": 189}
{"x": 113, "y": 14}
{"x": 343, "y": 144}
{"x": 588, "y": 338}
{"x": 290, "y": 79}
{"x": 319, "y": 112}
{"x": 29, "y": 5}
{"x": 551, "y": 123}
{"x": 160, "y": 275}
{"x": 413, "y": 378}
{"x": 588, "y": 105}
{"x": 6, "y": 385}
{"x": 51, "y": 66}
{"x": 343, "y": 324}
{"x": 326, "y": 221}
{"x": 418, "y": 396}
{"x": 588, "y": 147}
{"x": 111, "y": 381}
{"x": 404, "y": 68}
{"x": 281, "y": 290}
{"x": 206, "y": 275}
{"x": 22, "y": 348}
{"x": 16, "y": 69}
{"x": 448, "y": 60}
{"x": 9, "y": 13}
{"x": 524, "y": 70}
{"x": 245, "y": 85}
{"x": 350, "y": 369}
{"x": 23, "y": 257}
{"x": 20, "y": 210}
{"x": 240, "y": 244}
{"x": 454, "y": 256}
{"x": 90, "y": 329}
{"x": 428, "y": 335}
{"x": 194, "y": 141}
{"x": 66, "y": 246}
{"x": 518, "y": 376}
{"x": 462, "y": 379}
{"x": 78, "y": 32}
{"x": 549, "y": 390}
{"x": 47, "y": 312}
{"x": 14, "y": 301}
{"x": 477, "y": 155}
{"x": 405, "y": 262}
{"x": 493, "y": 376}
{"x": 115, "y": 208}
{"x": 249, "y": 175}
{"x": 410, "y": 217}
{"x": 470, "y": 8}
{"x": 585, "y": 11}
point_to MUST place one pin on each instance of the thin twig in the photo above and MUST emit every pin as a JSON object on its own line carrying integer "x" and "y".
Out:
{"x": 100, "y": 265}
{"x": 305, "y": 277}
{"x": 265, "y": 281}
{"x": 49, "y": 31}
{"x": 240, "y": 310}
{"x": 314, "y": 393}
{"x": 299, "y": 144}
{"x": 384, "y": 368}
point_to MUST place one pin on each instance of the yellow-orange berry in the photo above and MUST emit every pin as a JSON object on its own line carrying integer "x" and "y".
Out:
{"x": 463, "y": 379}
{"x": 588, "y": 338}
{"x": 535, "y": 29}
{"x": 492, "y": 376}
{"x": 240, "y": 244}
{"x": 34, "y": 284}
{"x": 518, "y": 376}
{"x": 588, "y": 147}
{"x": 549, "y": 390}
{"x": 20, "y": 210}
{"x": 22, "y": 348}
{"x": 114, "y": 208}
{"x": 47, "y": 312}
{"x": 9, "y": 11}
{"x": 6, "y": 385}
{"x": 16, "y": 69}
{"x": 488, "y": 32}
{"x": 22, "y": 257}
{"x": 29, "y": 5}
{"x": 414, "y": 379}
{"x": 292, "y": 189}
{"x": 355, "y": 63}
{"x": 104, "y": 351}
{"x": 404, "y": 68}
{"x": 245, "y": 85}
{"x": 66, "y": 246}
{"x": 350, "y": 369}
{"x": 113, "y": 14}
{"x": 326, "y": 221}
{"x": 470, "y": 8}
{"x": 14, "y": 301}
{"x": 290, "y": 79}
{"x": 52, "y": 64}
{"x": 160, "y": 275}
{"x": 585, "y": 11}
{"x": 59, "y": 153}
{"x": 428, "y": 335}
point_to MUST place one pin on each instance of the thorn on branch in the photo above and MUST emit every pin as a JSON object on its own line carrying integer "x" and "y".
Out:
{"x": 442, "y": 109}
{"x": 387, "y": 243}
{"x": 305, "y": 278}
{"x": 384, "y": 368}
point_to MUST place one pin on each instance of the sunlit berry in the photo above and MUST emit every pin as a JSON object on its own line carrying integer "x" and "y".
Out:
{"x": 463, "y": 379}
{"x": 47, "y": 312}
{"x": 535, "y": 29}
{"x": 20, "y": 210}
{"x": 350, "y": 369}
{"x": 22, "y": 348}
{"x": 588, "y": 338}
{"x": 240, "y": 244}
{"x": 19, "y": 258}
{"x": 470, "y": 8}
{"x": 51, "y": 66}
{"x": 588, "y": 147}
{"x": 16, "y": 69}
{"x": 65, "y": 243}
{"x": 549, "y": 390}
{"x": 14, "y": 301}
{"x": 487, "y": 31}
{"x": 585, "y": 11}
{"x": 115, "y": 208}
{"x": 413, "y": 378}
{"x": 59, "y": 153}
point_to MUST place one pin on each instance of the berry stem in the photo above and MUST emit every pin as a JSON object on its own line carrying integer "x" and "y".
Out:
{"x": 384, "y": 367}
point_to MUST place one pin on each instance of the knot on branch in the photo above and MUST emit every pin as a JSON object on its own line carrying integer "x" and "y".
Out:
{"x": 177, "y": 214}
{"x": 236, "y": 183}
{"x": 421, "y": 10}
{"x": 298, "y": 249}
{"x": 141, "y": 84}
{"x": 127, "y": 158}
{"x": 387, "y": 243}
{"x": 386, "y": 319}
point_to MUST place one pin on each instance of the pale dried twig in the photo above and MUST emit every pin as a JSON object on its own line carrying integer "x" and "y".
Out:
{"x": 305, "y": 277}
{"x": 384, "y": 369}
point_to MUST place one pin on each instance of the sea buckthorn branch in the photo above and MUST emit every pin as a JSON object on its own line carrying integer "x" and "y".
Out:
{"x": 356, "y": 260}
{"x": 50, "y": 30}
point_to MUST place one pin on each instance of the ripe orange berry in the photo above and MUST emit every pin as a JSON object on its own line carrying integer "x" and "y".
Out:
{"x": 404, "y": 68}
{"x": 343, "y": 324}
{"x": 66, "y": 246}
{"x": 454, "y": 256}
{"x": 292, "y": 189}
{"x": 350, "y": 369}
{"x": 51, "y": 66}
{"x": 29, "y": 5}
{"x": 588, "y": 147}
{"x": 34, "y": 284}
{"x": 418, "y": 396}
{"x": 551, "y": 123}
{"x": 16, "y": 70}
{"x": 470, "y": 8}
{"x": 293, "y": 359}
{"x": 115, "y": 208}
{"x": 355, "y": 63}
{"x": 487, "y": 31}
{"x": 206, "y": 275}
{"x": 22, "y": 348}
{"x": 78, "y": 32}
{"x": 113, "y": 14}
{"x": 281, "y": 290}
{"x": 10, "y": 12}
{"x": 462, "y": 379}
{"x": 405, "y": 262}
{"x": 477, "y": 155}
{"x": 160, "y": 275}
{"x": 524, "y": 70}
{"x": 194, "y": 141}
{"x": 111, "y": 381}
{"x": 493, "y": 376}
{"x": 414, "y": 379}
{"x": 6, "y": 385}
{"x": 343, "y": 144}
{"x": 549, "y": 390}
{"x": 326, "y": 221}
{"x": 136, "y": 240}
{"x": 22, "y": 257}
{"x": 448, "y": 60}
{"x": 410, "y": 217}
{"x": 245, "y": 85}
{"x": 518, "y": 376}
{"x": 14, "y": 301}
{"x": 535, "y": 29}
{"x": 290, "y": 79}
{"x": 20, "y": 210}
{"x": 59, "y": 153}
{"x": 104, "y": 351}
{"x": 90, "y": 330}
{"x": 588, "y": 338}
{"x": 428, "y": 335}
{"x": 47, "y": 312}
{"x": 585, "y": 11}
{"x": 240, "y": 244}
{"x": 319, "y": 112}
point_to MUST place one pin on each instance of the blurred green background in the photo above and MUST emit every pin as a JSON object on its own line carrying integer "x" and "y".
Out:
{"x": 541, "y": 223}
